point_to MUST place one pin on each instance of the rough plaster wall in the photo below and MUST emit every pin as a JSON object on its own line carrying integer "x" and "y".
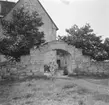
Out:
{"x": 37, "y": 59}
{"x": 50, "y": 60}
{"x": 25, "y": 60}
{"x": 48, "y": 28}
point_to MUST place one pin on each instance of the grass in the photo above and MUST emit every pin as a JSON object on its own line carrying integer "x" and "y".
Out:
{"x": 36, "y": 91}
{"x": 17, "y": 98}
{"x": 90, "y": 75}
{"x": 44, "y": 91}
{"x": 101, "y": 97}
{"x": 69, "y": 86}
{"x": 83, "y": 91}
{"x": 104, "y": 82}
{"x": 28, "y": 95}
{"x": 81, "y": 102}
{"x": 77, "y": 89}
{"x": 28, "y": 102}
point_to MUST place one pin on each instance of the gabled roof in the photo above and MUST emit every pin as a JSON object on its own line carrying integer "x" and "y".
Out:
{"x": 43, "y": 9}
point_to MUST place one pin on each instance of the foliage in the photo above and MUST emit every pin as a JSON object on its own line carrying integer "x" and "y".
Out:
{"x": 86, "y": 39}
{"x": 21, "y": 33}
{"x": 106, "y": 46}
{"x": 46, "y": 68}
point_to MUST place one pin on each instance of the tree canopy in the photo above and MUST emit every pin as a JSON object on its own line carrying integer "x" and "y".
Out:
{"x": 21, "y": 33}
{"x": 85, "y": 38}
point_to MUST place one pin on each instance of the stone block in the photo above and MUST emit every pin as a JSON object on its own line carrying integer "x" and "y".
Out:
{"x": 29, "y": 74}
{"x": 13, "y": 69}
{"x": 34, "y": 71}
{"x": 93, "y": 68}
{"x": 8, "y": 74}
{"x": 23, "y": 74}
{"x": 21, "y": 77}
{"x": 38, "y": 73}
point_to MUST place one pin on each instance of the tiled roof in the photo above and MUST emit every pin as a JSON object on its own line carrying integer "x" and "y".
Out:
{"x": 6, "y": 6}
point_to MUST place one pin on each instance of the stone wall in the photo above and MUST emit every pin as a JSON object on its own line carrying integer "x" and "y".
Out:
{"x": 18, "y": 71}
{"x": 46, "y": 54}
{"x": 84, "y": 63}
{"x": 99, "y": 66}
{"x": 50, "y": 57}
{"x": 33, "y": 64}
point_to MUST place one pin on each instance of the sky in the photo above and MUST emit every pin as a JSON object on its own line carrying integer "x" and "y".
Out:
{"x": 66, "y": 13}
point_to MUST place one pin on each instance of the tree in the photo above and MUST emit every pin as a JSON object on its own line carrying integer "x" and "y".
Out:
{"x": 106, "y": 46}
{"x": 86, "y": 39}
{"x": 21, "y": 33}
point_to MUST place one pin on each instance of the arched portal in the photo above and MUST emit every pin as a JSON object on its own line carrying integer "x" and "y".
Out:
{"x": 63, "y": 61}
{"x": 48, "y": 53}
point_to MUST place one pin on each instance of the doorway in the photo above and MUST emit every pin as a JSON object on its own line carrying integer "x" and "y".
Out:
{"x": 63, "y": 61}
{"x": 59, "y": 63}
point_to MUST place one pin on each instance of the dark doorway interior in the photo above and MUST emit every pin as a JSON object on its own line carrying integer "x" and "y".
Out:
{"x": 59, "y": 63}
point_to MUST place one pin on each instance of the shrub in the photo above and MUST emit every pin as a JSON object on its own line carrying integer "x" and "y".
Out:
{"x": 46, "y": 68}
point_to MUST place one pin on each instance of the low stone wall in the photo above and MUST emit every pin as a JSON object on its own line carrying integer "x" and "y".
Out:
{"x": 99, "y": 66}
{"x": 84, "y": 63}
{"x": 10, "y": 70}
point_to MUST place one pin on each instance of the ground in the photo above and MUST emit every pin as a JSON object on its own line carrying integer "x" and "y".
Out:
{"x": 54, "y": 91}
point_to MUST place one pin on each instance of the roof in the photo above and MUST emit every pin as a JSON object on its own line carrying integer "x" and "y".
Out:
{"x": 43, "y": 9}
{"x": 6, "y": 6}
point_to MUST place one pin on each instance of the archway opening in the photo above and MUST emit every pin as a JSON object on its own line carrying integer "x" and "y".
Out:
{"x": 58, "y": 60}
{"x": 63, "y": 61}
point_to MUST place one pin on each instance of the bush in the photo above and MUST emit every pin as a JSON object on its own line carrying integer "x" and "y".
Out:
{"x": 46, "y": 68}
